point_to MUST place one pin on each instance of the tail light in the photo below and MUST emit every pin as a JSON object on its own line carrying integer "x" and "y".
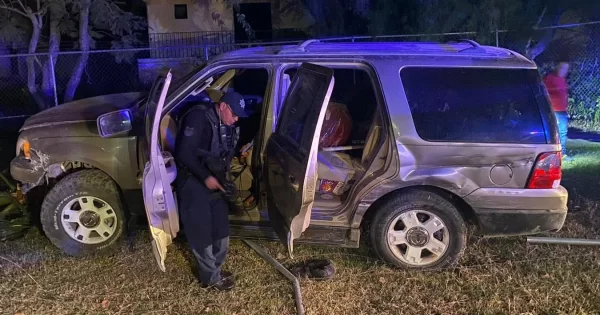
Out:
{"x": 547, "y": 171}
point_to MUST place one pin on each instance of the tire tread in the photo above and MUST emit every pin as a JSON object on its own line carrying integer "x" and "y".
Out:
{"x": 429, "y": 200}
{"x": 92, "y": 180}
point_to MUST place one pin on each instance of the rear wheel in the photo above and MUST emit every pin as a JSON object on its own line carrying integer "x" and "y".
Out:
{"x": 419, "y": 230}
{"x": 82, "y": 214}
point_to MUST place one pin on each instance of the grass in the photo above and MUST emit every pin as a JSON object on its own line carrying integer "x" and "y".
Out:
{"x": 496, "y": 276}
{"x": 585, "y": 125}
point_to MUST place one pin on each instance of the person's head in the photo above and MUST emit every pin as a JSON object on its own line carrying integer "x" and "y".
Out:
{"x": 561, "y": 69}
{"x": 231, "y": 108}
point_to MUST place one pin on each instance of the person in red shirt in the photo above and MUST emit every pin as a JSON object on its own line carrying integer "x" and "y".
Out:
{"x": 556, "y": 84}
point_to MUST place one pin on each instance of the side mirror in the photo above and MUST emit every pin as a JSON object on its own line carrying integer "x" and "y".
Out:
{"x": 114, "y": 123}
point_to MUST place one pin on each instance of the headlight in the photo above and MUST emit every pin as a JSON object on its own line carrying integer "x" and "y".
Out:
{"x": 23, "y": 146}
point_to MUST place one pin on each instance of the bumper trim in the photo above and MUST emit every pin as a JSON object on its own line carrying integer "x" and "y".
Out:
{"x": 494, "y": 223}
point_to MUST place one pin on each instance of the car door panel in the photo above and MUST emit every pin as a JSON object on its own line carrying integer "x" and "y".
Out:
{"x": 160, "y": 172}
{"x": 291, "y": 153}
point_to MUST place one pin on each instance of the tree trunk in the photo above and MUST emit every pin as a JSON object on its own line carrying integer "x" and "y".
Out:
{"x": 534, "y": 51}
{"x": 84, "y": 45}
{"x": 31, "y": 75}
{"x": 49, "y": 78}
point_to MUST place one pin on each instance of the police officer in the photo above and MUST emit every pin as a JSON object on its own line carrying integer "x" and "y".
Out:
{"x": 204, "y": 151}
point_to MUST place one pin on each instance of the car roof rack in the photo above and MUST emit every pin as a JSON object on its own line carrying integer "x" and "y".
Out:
{"x": 300, "y": 47}
{"x": 475, "y": 46}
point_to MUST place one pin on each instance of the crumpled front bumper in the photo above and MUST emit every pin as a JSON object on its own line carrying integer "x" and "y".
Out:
{"x": 27, "y": 171}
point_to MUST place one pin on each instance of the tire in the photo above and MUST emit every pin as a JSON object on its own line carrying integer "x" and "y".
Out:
{"x": 80, "y": 202}
{"x": 400, "y": 210}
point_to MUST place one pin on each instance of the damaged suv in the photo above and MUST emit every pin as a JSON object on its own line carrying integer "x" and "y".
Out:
{"x": 403, "y": 142}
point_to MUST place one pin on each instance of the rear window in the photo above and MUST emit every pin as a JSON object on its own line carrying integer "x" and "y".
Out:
{"x": 476, "y": 104}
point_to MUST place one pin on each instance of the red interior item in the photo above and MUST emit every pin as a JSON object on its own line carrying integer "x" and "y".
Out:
{"x": 336, "y": 126}
{"x": 327, "y": 186}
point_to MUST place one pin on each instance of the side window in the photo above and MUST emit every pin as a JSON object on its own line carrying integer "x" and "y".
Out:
{"x": 475, "y": 104}
{"x": 251, "y": 83}
{"x": 301, "y": 98}
{"x": 350, "y": 113}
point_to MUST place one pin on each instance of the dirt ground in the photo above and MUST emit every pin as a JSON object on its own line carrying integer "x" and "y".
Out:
{"x": 496, "y": 276}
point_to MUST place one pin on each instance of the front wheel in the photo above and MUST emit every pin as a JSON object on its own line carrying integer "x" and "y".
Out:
{"x": 419, "y": 230}
{"x": 82, "y": 214}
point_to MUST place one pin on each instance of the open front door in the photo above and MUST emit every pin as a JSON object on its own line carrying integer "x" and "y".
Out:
{"x": 160, "y": 171}
{"x": 291, "y": 154}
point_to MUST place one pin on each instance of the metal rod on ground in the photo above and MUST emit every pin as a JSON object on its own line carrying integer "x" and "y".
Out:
{"x": 562, "y": 241}
{"x": 283, "y": 271}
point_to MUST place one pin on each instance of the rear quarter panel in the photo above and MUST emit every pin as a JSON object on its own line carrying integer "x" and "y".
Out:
{"x": 460, "y": 168}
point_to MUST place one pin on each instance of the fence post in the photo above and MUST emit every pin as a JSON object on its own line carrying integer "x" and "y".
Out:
{"x": 53, "y": 80}
{"x": 206, "y": 52}
{"x": 497, "y": 40}
{"x": 353, "y": 72}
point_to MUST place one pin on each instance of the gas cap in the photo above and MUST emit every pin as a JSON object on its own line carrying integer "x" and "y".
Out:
{"x": 501, "y": 174}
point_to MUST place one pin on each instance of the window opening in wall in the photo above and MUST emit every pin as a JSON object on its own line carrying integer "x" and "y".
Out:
{"x": 181, "y": 12}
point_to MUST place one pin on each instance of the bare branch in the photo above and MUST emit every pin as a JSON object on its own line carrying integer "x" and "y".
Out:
{"x": 541, "y": 17}
{"x": 22, "y": 5}
{"x": 530, "y": 40}
{"x": 12, "y": 9}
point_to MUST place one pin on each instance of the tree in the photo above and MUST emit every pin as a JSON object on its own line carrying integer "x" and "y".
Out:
{"x": 83, "y": 20}
{"x": 101, "y": 19}
{"x": 522, "y": 18}
{"x": 335, "y": 17}
{"x": 33, "y": 12}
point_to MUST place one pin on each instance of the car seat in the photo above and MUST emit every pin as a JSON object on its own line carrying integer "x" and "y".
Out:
{"x": 373, "y": 137}
{"x": 169, "y": 125}
{"x": 337, "y": 169}
{"x": 168, "y": 133}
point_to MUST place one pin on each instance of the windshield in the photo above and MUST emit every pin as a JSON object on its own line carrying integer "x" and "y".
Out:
{"x": 181, "y": 80}
{"x": 138, "y": 108}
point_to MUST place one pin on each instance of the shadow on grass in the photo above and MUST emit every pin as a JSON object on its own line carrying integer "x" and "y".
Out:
{"x": 581, "y": 176}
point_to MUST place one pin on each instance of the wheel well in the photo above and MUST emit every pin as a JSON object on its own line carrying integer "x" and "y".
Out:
{"x": 464, "y": 208}
{"x": 58, "y": 171}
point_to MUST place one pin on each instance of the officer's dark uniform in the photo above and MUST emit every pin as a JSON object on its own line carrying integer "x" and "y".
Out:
{"x": 204, "y": 149}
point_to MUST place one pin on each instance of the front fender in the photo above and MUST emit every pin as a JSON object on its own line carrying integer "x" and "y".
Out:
{"x": 116, "y": 157}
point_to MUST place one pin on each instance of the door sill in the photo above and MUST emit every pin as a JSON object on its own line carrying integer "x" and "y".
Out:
{"x": 317, "y": 235}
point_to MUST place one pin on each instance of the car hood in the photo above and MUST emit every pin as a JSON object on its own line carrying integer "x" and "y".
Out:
{"x": 81, "y": 110}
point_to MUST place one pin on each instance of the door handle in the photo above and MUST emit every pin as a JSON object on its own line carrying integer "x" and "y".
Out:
{"x": 293, "y": 183}
{"x": 295, "y": 186}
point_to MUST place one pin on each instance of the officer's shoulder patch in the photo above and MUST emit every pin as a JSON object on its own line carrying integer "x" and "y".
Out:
{"x": 188, "y": 131}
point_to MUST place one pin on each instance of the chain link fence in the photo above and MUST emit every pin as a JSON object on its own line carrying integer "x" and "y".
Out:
{"x": 30, "y": 83}
{"x": 579, "y": 45}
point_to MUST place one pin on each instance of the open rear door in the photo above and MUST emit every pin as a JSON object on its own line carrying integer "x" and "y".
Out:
{"x": 160, "y": 171}
{"x": 291, "y": 154}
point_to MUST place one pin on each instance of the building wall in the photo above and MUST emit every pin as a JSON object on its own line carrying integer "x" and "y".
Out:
{"x": 203, "y": 15}
{"x": 214, "y": 15}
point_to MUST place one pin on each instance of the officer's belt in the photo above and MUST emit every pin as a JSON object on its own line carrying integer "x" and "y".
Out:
{"x": 186, "y": 170}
